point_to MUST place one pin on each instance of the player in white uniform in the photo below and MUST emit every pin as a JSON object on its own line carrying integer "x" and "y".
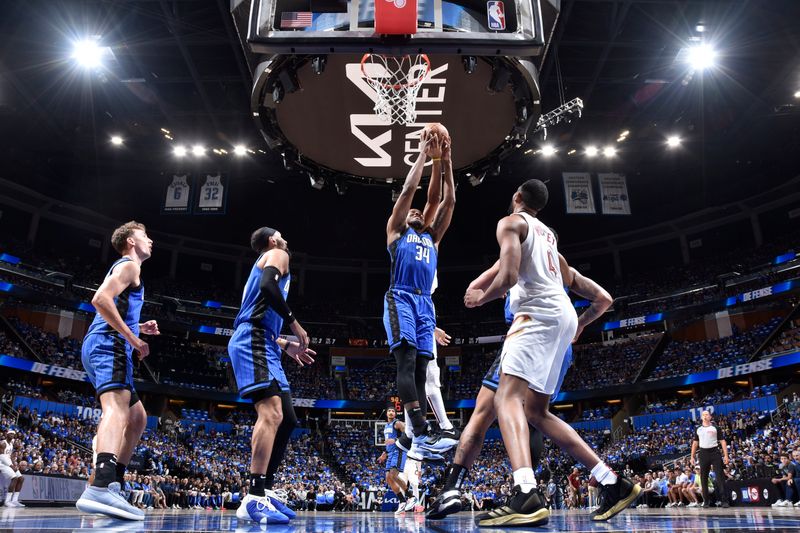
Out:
{"x": 532, "y": 358}
{"x": 9, "y": 471}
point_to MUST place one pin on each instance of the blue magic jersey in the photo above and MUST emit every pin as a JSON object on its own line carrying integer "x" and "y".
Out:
{"x": 129, "y": 306}
{"x": 413, "y": 262}
{"x": 507, "y": 310}
{"x": 390, "y": 432}
{"x": 255, "y": 308}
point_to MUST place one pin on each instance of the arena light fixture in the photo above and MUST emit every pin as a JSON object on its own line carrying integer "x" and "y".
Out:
{"x": 591, "y": 151}
{"x": 673, "y": 141}
{"x": 116, "y": 140}
{"x": 179, "y": 151}
{"x": 240, "y": 150}
{"x": 198, "y": 150}
{"x": 701, "y": 57}
{"x": 797, "y": 94}
{"x": 609, "y": 151}
{"x": 88, "y": 53}
{"x": 572, "y": 151}
{"x": 548, "y": 150}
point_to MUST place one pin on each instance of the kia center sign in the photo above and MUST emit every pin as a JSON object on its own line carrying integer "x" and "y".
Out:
{"x": 327, "y": 123}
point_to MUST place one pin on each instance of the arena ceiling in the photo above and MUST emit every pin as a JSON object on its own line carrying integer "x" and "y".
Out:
{"x": 178, "y": 66}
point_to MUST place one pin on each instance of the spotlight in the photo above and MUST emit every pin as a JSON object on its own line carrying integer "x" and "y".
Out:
{"x": 240, "y": 150}
{"x": 591, "y": 151}
{"x": 477, "y": 178}
{"x": 318, "y": 64}
{"x": 316, "y": 183}
{"x": 797, "y": 94}
{"x": 673, "y": 141}
{"x": 572, "y": 151}
{"x": 341, "y": 187}
{"x": 470, "y": 64}
{"x": 548, "y": 150}
{"x": 701, "y": 57}
{"x": 609, "y": 151}
{"x": 198, "y": 150}
{"x": 116, "y": 140}
{"x": 179, "y": 151}
{"x": 88, "y": 53}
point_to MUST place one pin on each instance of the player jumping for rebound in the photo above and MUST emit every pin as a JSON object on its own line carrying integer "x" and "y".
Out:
{"x": 409, "y": 317}
{"x": 544, "y": 325}
{"x": 255, "y": 352}
{"x": 469, "y": 447}
{"x": 106, "y": 355}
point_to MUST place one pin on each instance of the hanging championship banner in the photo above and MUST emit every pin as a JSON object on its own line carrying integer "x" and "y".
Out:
{"x": 211, "y": 194}
{"x": 614, "y": 193}
{"x": 578, "y": 192}
{"x": 177, "y": 194}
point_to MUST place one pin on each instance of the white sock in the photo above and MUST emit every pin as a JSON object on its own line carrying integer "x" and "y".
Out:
{"x": 410, "y": 470}
{"x": 8, "y": 497}
{"x": 15, "y": 497}
{"x": 603, "y": 474}
{"x": 434, "y": 394}
{"x": 525, "y": 479}
{"x": 409, "y": 430}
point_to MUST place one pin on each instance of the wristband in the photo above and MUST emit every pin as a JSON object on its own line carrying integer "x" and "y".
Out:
{"x": 436, "y": 158}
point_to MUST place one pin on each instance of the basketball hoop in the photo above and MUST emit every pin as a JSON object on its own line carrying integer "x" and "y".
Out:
{"x": 396, "y": 80}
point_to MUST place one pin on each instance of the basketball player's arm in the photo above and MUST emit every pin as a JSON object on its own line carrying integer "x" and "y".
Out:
{"x": 444, "y": 213}
{"x": 592, "y": 291}
{"x": 275, "y": 266}
{"x": 382, "y": 458}
{"x": 692, "y": 454}
{"x": 483, "y": 281}
{"x": 292, "y": 349}
{"x": 399, "y": 426}
{"x": 397, "y": 219}
{"x": 509, "y": 236}
{"x": 123, "y": 276}
{"x": 435, "y": 184}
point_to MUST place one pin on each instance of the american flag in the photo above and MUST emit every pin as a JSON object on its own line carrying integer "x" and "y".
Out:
{"x": 296, "y": 19}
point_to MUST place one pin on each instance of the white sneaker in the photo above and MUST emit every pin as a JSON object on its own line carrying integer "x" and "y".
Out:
{"x": 692, "y": 504}
{"x": 797, "y": 504}
{"x": 786, "y": 503}
{"x": 777, "y": 503}
{"x": 410, "y": 504}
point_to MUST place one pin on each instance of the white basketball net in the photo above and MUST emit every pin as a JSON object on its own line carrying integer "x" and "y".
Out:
{"x": 396, "y": 80}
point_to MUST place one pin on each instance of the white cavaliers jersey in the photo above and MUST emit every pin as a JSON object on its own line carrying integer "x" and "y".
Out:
{"x": 211, "y": 193}
{"x": 5, "y": 457}
{"x": 540, "y": 289}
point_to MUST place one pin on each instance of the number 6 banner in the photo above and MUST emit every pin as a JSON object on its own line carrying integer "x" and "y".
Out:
{"x": 212, "y": 194}
{"x": 177, "y": 194}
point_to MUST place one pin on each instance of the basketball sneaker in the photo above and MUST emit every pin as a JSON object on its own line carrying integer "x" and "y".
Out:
{"x": 401, "y": 508}
{"x": 419, "y": 453}
{"x": 522, "y": 510}
{"x": 441, "y": 441}
{"x": 410, "y": 504}
{"x": 615, "y": 498}
{"x": 108, "y": 501}
{"x": 448, "y": 502}
{"x": 260, "y": 510}
{"x": 279, "y": 503}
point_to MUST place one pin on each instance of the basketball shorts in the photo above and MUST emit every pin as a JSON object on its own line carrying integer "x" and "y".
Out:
{"x": 107, "y": 360}
{"x": 256, "y": 360}
{"x": 410, "y": 317}
{"x": 492, "y": 378}
{"x": 396, "y": 459}
{"x": 535, "y": 349}
{"x": 7, "y": 473}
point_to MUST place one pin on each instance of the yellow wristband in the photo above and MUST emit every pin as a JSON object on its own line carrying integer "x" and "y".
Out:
{"x": 436, "y": 158}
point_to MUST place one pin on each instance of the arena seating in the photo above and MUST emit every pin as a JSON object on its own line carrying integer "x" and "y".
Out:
{"x": 601, "y": 365}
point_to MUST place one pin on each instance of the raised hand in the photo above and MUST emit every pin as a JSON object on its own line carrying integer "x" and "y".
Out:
{"x": 149, "y": 328}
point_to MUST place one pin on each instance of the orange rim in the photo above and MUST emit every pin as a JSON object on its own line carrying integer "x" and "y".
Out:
{"x": 397, "y": 86}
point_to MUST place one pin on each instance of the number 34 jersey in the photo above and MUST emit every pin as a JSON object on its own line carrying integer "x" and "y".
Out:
{"x": 413, "y": 262}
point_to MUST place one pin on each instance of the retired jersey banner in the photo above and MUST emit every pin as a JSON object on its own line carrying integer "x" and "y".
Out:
{"x": 578, "y": 192}
{"x": 614, "y": 193}
{"x": 177, "y": 194}
{"x": 212, "y": 194}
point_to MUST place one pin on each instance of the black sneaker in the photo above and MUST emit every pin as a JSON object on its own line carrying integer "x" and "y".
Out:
{"x": 442, "y": 441}
{"x": 404, "y": 442}
{"x": 522, "y": 510}
{"x": 616, "y": 498}
{"x": 448, "y": 502}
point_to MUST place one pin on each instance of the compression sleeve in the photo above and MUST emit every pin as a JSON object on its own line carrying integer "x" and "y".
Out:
{"x": 272, "y": 293}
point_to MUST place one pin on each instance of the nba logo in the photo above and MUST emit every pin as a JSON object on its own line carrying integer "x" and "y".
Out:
{"x": 496, "y": 14}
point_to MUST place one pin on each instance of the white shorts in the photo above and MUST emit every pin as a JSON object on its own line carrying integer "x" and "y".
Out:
{"x": 7, "y": 473}
{"x": 534, "y": 349}
{"x": 432, "y": 374}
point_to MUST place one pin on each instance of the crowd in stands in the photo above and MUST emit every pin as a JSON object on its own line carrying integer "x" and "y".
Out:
{"x": 64, "y": 352}
{"x": 598, "y": 413}
{"x": 310, "y": 381}
{"x": 601, "y": 365}
{"x": 787, "y": 341}
{"x": 8, "y": 346}
{"x": 372, "y": 384}
{"x": 685, "y": 357}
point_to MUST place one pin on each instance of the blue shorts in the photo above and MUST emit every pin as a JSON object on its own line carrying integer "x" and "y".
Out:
{"x": 492, "y": 378}
{"x": 396, "y": 459}
{"x": 410, "y": 317}
{"x": 106, "y": 357}
{"x": 256, "y": 360}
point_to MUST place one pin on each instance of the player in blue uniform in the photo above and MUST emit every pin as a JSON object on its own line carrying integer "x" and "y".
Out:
{"x": 473, "y": 435}
{"x": 394, "y": 458}
{"x": 255, "y": 352}
{"x": 106, "y": 355}
{"x": 409, "y": 317}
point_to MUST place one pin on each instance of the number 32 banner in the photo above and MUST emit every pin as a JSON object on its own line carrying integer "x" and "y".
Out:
{"x": 212, "y": 194}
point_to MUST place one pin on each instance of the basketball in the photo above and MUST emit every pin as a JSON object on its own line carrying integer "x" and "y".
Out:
{"x": 436, "y": 128}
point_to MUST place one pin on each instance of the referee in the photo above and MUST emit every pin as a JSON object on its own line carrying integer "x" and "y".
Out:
{"x": 708, "y": 438}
